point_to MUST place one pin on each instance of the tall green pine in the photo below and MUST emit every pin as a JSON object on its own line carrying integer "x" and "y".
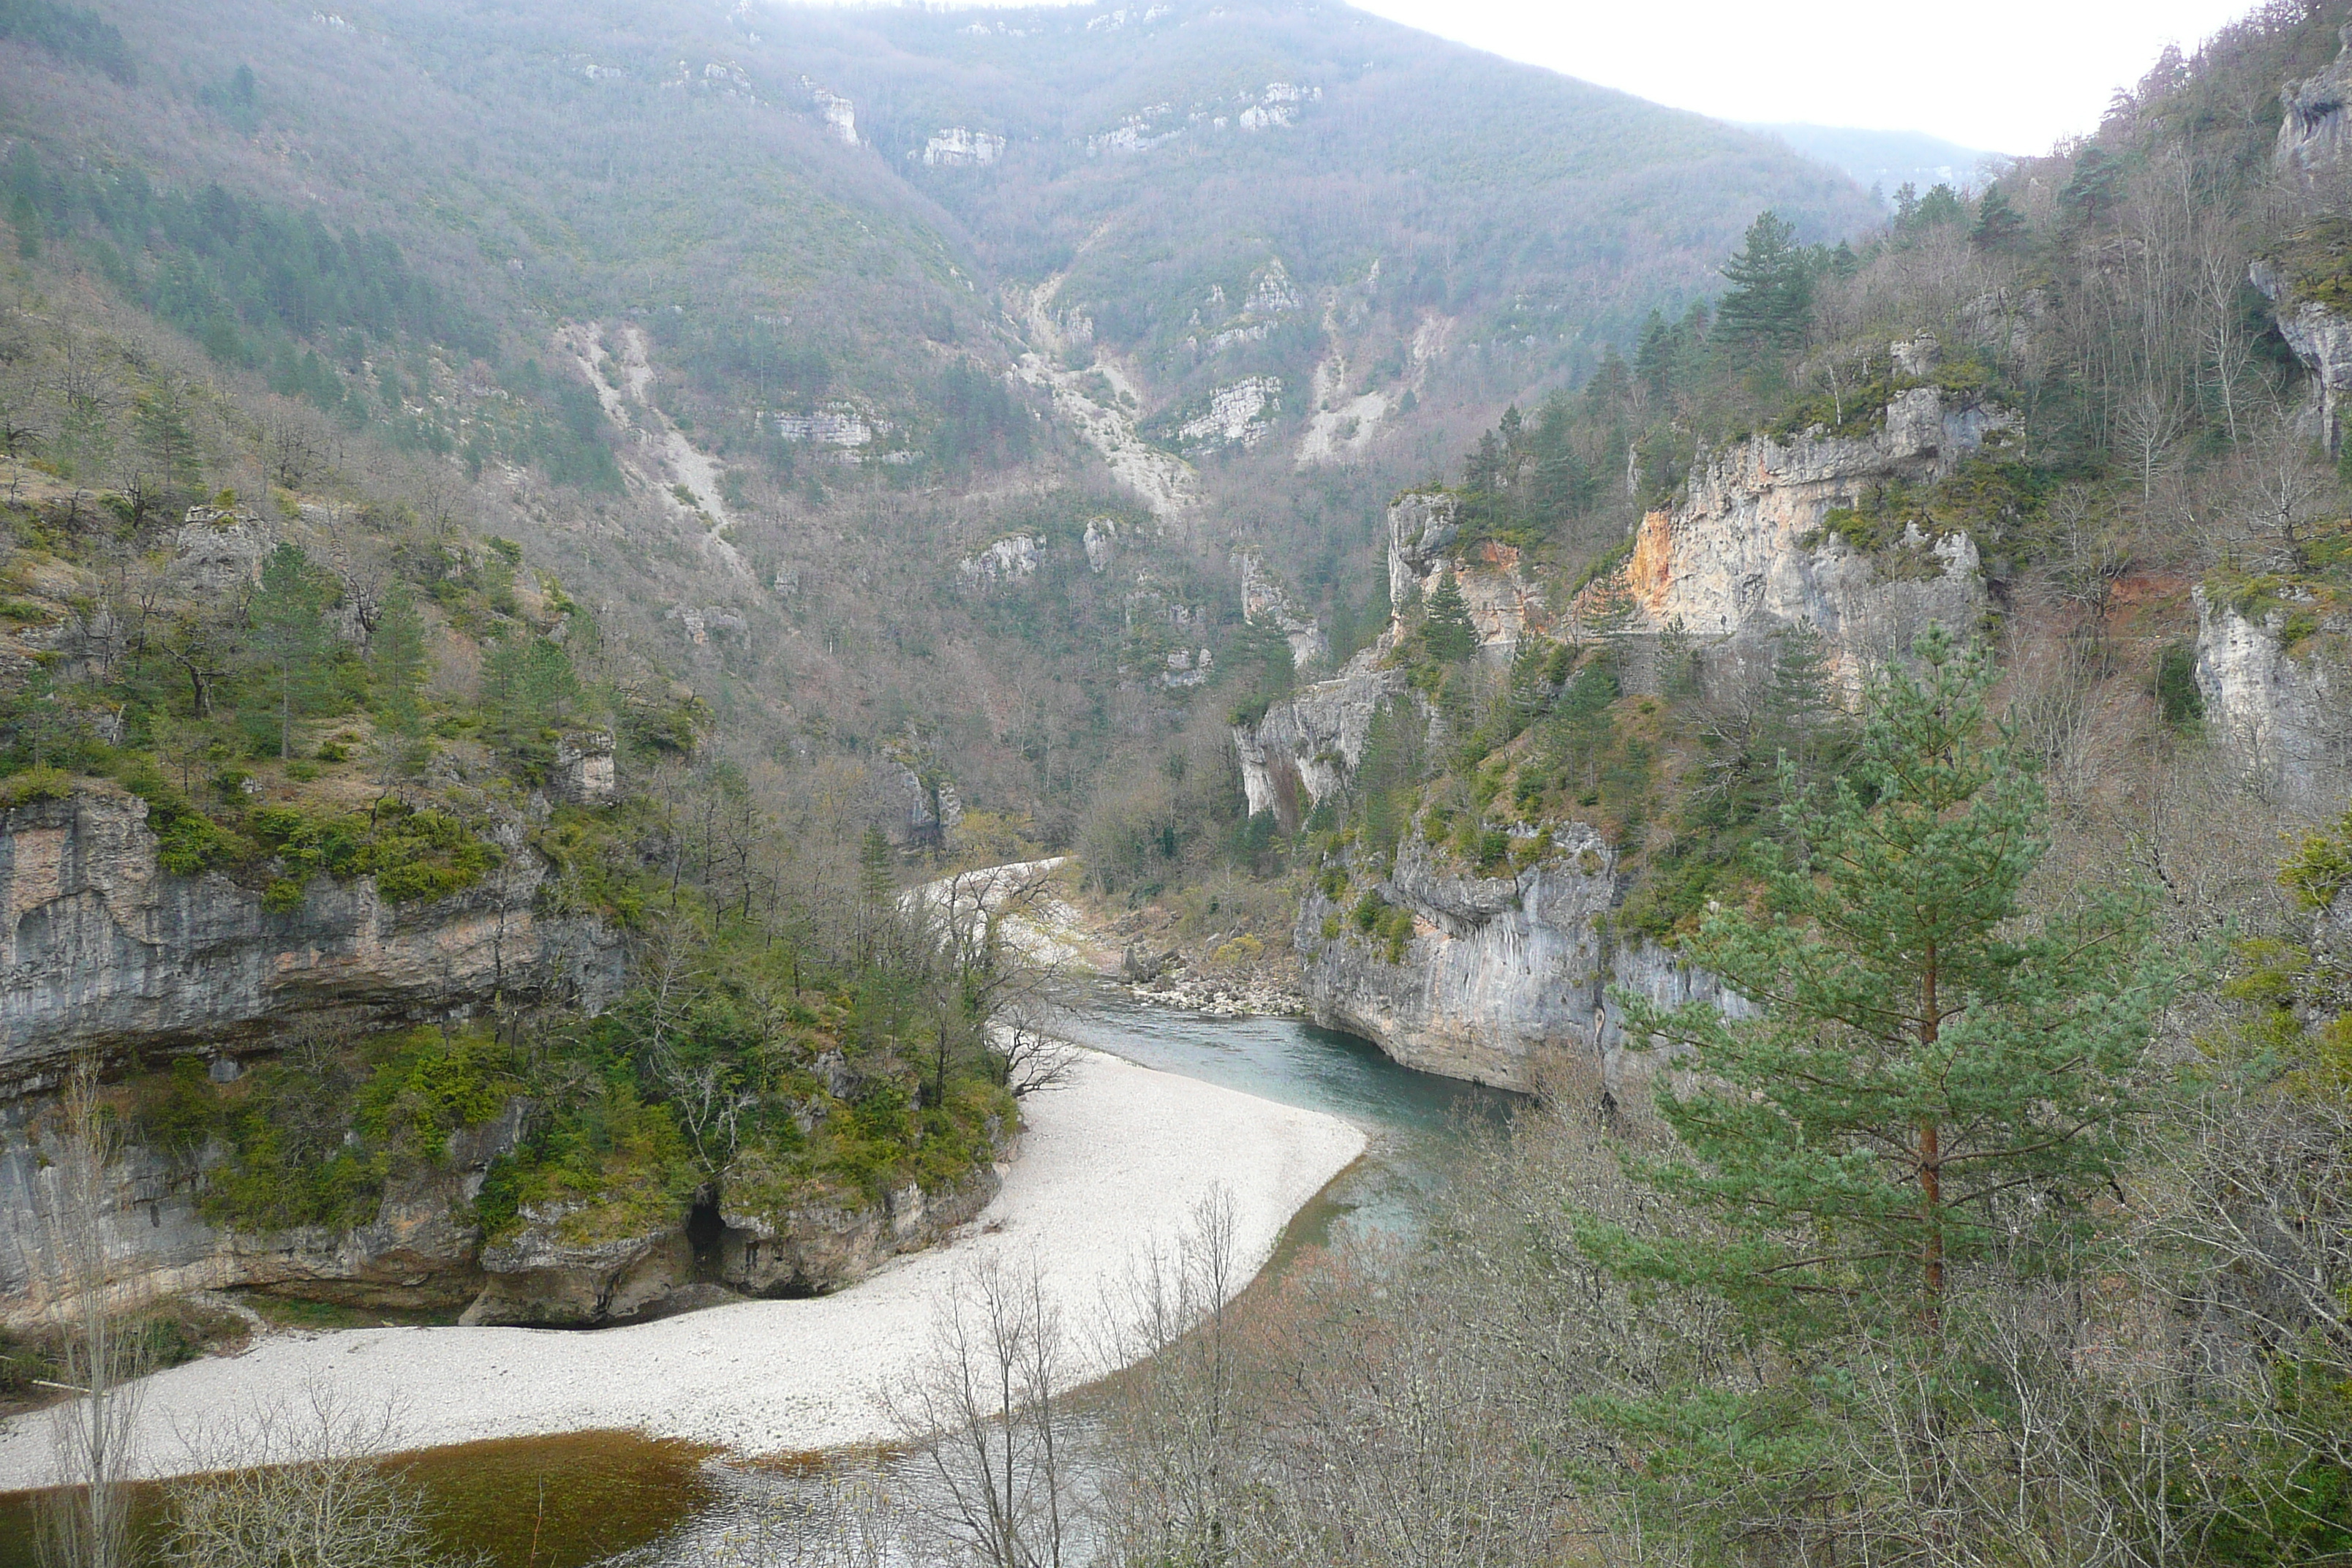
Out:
{"x": 398, "y": 665}
{"x": 1448, "y": 633}
{"x": 287, "y": 634}
{"x": 1934, "y": 1077}
{"x": 2000, "y": 227}
{"x": 1768, "y": 307}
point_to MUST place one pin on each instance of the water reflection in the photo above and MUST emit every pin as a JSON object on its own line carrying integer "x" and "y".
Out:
{"x": 1414, "y": 1118}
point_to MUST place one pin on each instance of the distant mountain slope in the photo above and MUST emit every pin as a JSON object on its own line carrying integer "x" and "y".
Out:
{"x": 1165, "y": 158}
{"x": 1887, "y": 160}
{"x": 695, "y": 302}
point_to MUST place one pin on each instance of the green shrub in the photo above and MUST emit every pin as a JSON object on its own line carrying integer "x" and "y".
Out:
{"x": 412, "y": 855}
{"x": 36, "y": 783}
{"x": 429, "y": 1084}
{"x": 188, "y": 843}
{"x": 2175, "y": 685}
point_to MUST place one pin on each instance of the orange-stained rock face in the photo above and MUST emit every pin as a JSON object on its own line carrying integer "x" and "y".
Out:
{"x": 1649, "y": 573}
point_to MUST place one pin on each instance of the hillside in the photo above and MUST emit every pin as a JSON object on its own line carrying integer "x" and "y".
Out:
{"x": 547, "y": 547}
{"x": 828, "y": 319}
{"x": 526, "y": 510}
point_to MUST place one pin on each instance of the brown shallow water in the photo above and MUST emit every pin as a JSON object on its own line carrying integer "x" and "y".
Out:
{"x": 525, "y": 1502}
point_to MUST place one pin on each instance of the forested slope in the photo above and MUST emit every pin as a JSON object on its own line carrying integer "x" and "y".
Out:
{"x": 1873, "y": 760}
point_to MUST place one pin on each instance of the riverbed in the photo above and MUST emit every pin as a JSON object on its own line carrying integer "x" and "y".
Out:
{"x": 1405, "y": 1122}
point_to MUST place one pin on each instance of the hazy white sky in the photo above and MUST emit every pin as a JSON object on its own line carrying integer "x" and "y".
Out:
{"x": 2003, "y": 76}
{"x": 2006, "y": 76}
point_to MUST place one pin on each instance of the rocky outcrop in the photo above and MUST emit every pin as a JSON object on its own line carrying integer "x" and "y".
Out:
{"x": 1010, "y": 560}
{"x": 960, "y": 147}
{"x": 1239, "y": 413}
{"x": 2321, "y": 340}
{"x": 814, "y": 1248}
{"x": 417, "y": 1253}
{"x": 1265, "y": 599}
{"x": 1499, "y": 971}
{"x": 1101, "y": 536}
{"x": 220, "y": 549}
{"x": 2313, "y": 131}
{"x": 1425, "y": 540}
{"x": 540, "y": 1278}
{"x": 1300, "y": 753}
{"x": 1749, "y": 551}
{"x": 2278, "y": 696}
{"x": 101, "y": 948}
{"x": 583, "y": 773}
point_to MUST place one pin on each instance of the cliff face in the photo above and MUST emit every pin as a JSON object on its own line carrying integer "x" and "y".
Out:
{"x": 2313, "y": 130}
{"x": 2322, "y": 342}
{"x": 1749, "y": 551}
{"x": 100, "y": 948}
{"x": 423, "y": 1251}
{"x": 2281, "y": 708}
{"x": 418, "y": 1253}
{"x": 1425, "y": 540}
{"x": 1499, "y": 972}
{"x": 1301, "y": 753}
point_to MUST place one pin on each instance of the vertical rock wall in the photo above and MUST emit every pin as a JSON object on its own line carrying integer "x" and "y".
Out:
{"x": 100, "y": 948}
{"x": 1749, "y": 552}
{"x": 2282, "y": 709}
{"x": 1500, "y": 972}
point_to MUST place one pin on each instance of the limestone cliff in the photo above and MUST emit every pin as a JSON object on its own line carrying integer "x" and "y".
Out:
{"x": 1301, "y": 752}
{"x": 1749, "y": 550}
{"x": 2321, "y": 337}
{"x": 418, "y": 1253}
{"x": 103, "y": 949}
{"x": 1425, "y": 540}
{"x": 2313, "y": 130}
{"x": 1498, "y": 972}
{"x": 2278, "y": 698}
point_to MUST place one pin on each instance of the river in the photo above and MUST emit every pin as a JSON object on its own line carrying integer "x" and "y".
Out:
{"x": 624, "y": 1501}
{"x": 754, "y": 1517}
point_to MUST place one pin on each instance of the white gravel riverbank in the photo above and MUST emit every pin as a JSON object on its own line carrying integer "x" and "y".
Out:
{"x": 1111, "y": 1162}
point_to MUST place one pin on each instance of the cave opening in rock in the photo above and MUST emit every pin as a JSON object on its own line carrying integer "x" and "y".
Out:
{"x": 703, "y": 1230}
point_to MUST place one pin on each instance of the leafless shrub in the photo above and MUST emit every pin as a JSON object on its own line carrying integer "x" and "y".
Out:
{"x": 848, "y": 1518}
{"x": 1177, "y": 1455}
{"x": 299, "y": 1482}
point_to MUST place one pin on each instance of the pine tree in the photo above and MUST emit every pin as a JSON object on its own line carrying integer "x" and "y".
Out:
{"x": 1610, "y": 383}
{"x": 398, "y": 665}
{"x": 287, "y": 636}
{"x": 1799, "y": 709}
{"x": 160, "y": 416}
{"x": 1653, "y": 361}
{"x": 1448, "y": 633}
{"x": 1933, "y": 1077}
{"x": 1769, "y": 304}
{"x": 2000, "y": 227}
{"x": 530, "y": 688}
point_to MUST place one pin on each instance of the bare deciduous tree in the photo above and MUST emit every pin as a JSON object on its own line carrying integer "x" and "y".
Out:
{"x": 982, "y": 1414}
{"x": 88, "y": 1525}
{"x": 300, "y": 1482}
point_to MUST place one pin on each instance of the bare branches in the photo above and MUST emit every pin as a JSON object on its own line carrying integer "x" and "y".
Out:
{"x": 301, "y": 1481}
{"x": 982, "y": 1413}
{"x": 89, "y": 1526}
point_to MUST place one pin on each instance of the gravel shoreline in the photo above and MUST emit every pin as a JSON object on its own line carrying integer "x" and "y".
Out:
{"x": 1111, "y": 1163}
